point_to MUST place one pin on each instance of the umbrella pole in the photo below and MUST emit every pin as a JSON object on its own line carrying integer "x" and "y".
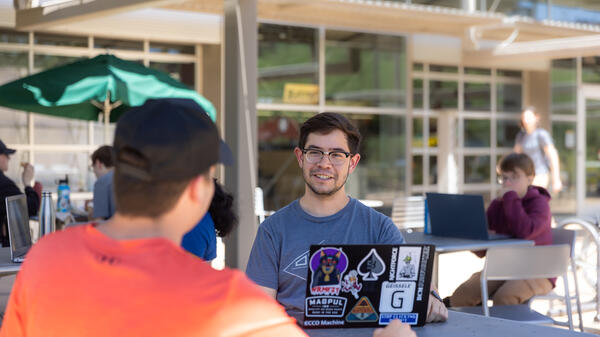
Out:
{"x": 107, "y": 108}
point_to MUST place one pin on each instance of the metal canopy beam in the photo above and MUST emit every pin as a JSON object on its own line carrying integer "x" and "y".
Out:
{"x": 45, "y": 17}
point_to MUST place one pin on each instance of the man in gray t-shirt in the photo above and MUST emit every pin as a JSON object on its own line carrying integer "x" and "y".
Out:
{"x": 327, "y": 153}
{"x": 104, "y": 200}
{"x": 537, "y": 144}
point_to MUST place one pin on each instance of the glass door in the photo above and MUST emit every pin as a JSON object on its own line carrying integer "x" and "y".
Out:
{"x": 592, "y": 156}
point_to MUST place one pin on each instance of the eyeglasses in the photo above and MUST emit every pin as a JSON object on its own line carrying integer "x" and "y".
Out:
{"x": 314, "y": 156}
{"x": 503, "y": 178}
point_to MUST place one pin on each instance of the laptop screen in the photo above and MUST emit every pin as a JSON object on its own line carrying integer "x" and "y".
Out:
{"x": 367, "y": 285}
{"x": 18, "y": 225}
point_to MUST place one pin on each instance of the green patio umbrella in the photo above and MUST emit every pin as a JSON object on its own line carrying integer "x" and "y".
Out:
{"x": 104, "y": 85}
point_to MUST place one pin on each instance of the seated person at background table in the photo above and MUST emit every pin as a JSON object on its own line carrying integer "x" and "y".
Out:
{"x": 522, "y": 211}
{"x": 9, "y": 188}
{"x": 220, "y": 220}
{"x": 104, "y": 200}
{"x": 327, "y": 153}
{"x": 128, "y": 276}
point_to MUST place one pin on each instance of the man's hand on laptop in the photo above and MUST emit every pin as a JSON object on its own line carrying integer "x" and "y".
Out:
{"x": 436, "y": 310}
{"x": 395, "y": 329}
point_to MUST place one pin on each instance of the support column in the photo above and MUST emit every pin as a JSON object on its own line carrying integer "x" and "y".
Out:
{"x": 447, "y": 157}
{"x": 240, "y": 69}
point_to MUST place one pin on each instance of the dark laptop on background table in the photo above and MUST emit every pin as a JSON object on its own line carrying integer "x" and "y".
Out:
{"x": 19, "y": 232}
{"x": 459, "y": 216}
{"x": 367, "y": 285}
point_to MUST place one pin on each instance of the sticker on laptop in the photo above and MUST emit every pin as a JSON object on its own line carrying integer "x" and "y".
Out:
{"x": 408, "y": 263}
{"x": 350, "y": 283}
{"x": 362, "y": 311}
{"x": 327, "y": 266}
{"x": 371, "y": 266}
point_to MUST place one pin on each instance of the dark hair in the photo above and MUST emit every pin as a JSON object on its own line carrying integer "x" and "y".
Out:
{"x": 517, "y": 160}
{"x": 135, "y": 197}
{"x": 221, "y": 211}
{"x": 104, "y": 155}
{"x": 327, "y": 122}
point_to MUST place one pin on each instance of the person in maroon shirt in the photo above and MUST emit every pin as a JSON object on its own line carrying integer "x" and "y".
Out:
{"x": 521, "y": 211}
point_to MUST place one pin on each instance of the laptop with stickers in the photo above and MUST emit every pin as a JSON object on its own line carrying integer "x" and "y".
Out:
{"x": 367, "y": 285}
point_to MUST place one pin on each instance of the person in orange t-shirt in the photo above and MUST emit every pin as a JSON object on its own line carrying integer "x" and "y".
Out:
{"x": 128, "y": 276}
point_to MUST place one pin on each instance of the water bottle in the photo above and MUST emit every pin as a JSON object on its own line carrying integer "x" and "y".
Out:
{"x": 63, "y": 203}
{"x": 47, "y": 216}
{"x": 427, "y": 228}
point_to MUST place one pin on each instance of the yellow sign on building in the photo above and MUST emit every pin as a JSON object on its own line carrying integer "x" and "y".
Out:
{"x": 301, "y": 93}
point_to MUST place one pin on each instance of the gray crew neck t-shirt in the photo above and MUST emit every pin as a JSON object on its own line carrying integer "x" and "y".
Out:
{"x": 104, "y": 199}
{"x": 533, "y": 145}
{"x": 279, "y": 256}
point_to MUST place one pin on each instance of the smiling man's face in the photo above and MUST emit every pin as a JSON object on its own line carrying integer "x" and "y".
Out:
{"x": 324, "y": 178}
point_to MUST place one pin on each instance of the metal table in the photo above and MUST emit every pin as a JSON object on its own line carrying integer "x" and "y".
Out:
{"x": 445, "y": 244}
{"x": 7, "y": 267}
{"x": 461, "y": 324}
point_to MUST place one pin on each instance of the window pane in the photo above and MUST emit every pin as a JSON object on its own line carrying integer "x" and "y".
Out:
{"x": 118, "y": 44}
{"x": 365, "y": 69}
{"x": 417, "y": 66}
{"x": 477, "y": 169}
{"x": 418, "y": 93}
{"x": 99, "y": 133}
{"x": 417, "y": 170}
{"x": 60, "y": 40}
{"x": 477, "y": 96}
{"x": 563, "y": 134}
{"x": 443, "y": 69}
{"x": 508, "y": 97}
{"x": 11, "y": 36}
{"x": 57, "y": 130}
{"x": 288, "y": 70}
{"x": 531, "y": 8}
{"x": 478, "y": 71}
{"x": 433, "y": 170}
{"x": 506, "y": 132}
{"x": 443, "y": 94}
{"x": 433, "y": 136}
{"x": 183, "y": 72}
{"x": 43, "y": 62}
{"x": 441, "y": 3}
{"x": 51, "y": 166}
{"x": 591, "y": 69}
{"x": 477, "y": 133}
{"x": 169, "y": 48}
{"x": 563, "y": 77}
{"x": 380, "y": 174}
{"x": 417, "y": 140}
{"x": 509, "y": 73}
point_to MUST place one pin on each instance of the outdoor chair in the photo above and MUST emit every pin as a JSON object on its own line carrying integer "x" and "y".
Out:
{"x": 520, "y": 263}
{"x": 259, "y": 205}
{"x": 565, "y": 236}
{"x": 409, "y": 212}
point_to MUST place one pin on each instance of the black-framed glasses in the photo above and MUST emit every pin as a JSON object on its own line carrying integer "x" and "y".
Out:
{"x": 314, "y": 156}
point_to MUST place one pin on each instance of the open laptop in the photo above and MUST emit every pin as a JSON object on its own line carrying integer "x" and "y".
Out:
{"x": 367, "y": 285}
{"x": 460, "y": 216}
{"x": 19, "y": 232}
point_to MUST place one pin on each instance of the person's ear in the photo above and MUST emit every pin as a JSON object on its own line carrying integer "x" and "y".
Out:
{"x": 298, "y": 153}
{"x": 353, "y": 162}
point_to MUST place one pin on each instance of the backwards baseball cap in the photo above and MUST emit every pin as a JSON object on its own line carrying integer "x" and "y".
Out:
{"x": 167, "y": 140}
{"x": 5, "y": 150}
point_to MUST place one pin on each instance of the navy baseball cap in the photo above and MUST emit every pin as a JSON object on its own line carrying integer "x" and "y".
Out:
{"x": 5, "y": 150}
{"x": 167, "y": 140}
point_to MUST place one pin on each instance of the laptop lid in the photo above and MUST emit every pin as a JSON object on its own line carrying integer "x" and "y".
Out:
{"x": 19, "y": 233}
{"x": 457, "y": 215}
{"x": 367, "y": 285}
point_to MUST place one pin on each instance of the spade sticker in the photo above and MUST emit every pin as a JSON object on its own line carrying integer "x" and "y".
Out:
{"x": 371, "y": 266}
